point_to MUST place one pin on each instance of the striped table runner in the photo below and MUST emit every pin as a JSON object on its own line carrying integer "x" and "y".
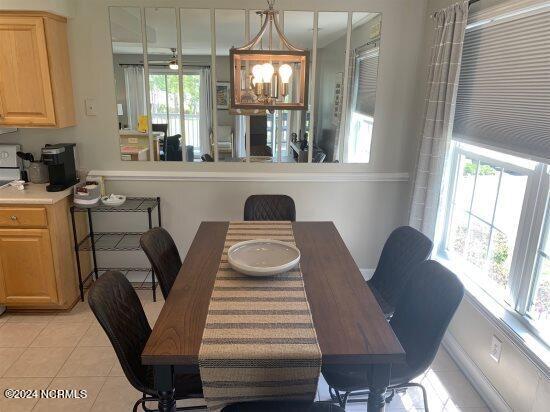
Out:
{"x": 259, "y": 342}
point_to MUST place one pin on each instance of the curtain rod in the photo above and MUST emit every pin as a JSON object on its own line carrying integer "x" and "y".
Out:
{"x": 470, "y": 2}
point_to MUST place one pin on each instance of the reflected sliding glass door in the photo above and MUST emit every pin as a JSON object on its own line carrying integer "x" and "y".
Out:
{"x": 165, "y": 110}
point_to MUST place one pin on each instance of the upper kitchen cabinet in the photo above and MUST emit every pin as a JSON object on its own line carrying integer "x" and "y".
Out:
{"x": 35, "y": 75}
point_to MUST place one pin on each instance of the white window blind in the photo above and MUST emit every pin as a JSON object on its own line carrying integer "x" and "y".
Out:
{"x": 367, "y": 72}
{"x": 504, "y": 90}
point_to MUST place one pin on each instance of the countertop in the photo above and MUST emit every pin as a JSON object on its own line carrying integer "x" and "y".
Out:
{"x": 34, "y": 194}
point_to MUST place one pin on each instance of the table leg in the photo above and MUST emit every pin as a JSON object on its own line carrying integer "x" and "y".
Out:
{"x": 379, "y": 382}
{"x": 164, "y": 383}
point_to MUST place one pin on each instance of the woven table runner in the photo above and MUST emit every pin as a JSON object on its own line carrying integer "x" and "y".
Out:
{"x": 259, "y": 342}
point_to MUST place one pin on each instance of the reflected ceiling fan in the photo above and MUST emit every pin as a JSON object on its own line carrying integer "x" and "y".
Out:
{"x": 172, "y": 63}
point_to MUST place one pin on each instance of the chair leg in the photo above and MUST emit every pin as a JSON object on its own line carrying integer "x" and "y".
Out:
{"x": 342, "y": 398}
{"x": 389, "y": 397}
{"x": 141, "y": 401}
{"x": 332, "y": 394}
{"x": 145, "y": 399}
{"x": 353, "y": 396}
{"x": 417, "y": 385}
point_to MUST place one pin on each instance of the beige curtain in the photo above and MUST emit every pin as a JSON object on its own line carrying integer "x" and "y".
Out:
{"x": 444, "y": 70}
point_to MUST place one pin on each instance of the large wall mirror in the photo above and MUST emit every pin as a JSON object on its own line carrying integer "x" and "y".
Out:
{"x": 172, "y": 77}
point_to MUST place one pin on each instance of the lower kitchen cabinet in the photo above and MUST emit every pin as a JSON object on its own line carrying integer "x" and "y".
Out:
{"x": 27, "y": 273}
{"x": 37, "y": 264}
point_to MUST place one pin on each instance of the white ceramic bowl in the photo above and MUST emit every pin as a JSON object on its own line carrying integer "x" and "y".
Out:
{"x": 263, "y": 257}
{"x": 113, "y": 200}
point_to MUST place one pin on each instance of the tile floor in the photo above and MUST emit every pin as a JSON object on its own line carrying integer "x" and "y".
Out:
{"x": 71, "y": 351}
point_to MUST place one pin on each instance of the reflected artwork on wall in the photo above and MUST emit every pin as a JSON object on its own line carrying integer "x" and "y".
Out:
{"x": 222, "y": 95}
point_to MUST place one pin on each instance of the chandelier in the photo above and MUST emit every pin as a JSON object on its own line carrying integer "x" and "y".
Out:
{"x": 265, "y": 78}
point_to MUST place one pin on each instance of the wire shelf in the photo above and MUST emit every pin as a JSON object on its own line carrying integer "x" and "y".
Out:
{"x": 140, "y": 277}
{"x": 120, "y": 241}
{"x": 132, "y": 204}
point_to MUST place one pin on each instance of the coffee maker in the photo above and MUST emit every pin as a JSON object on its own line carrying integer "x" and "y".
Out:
{"x": 60, "y": 159}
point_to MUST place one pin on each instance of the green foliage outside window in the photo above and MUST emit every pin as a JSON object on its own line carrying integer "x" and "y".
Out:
{"x": 191, "y": 90}
{"x": 484, "y": 170}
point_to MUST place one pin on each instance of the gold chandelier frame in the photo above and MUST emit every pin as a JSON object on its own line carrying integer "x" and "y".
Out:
{"x": 268, "y": 97}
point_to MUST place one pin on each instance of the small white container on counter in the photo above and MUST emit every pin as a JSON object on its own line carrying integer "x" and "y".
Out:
{"x": 86, "y": 194}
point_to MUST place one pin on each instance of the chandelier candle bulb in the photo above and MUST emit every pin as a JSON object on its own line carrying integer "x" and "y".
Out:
{"x": 267, "y": 72}
{"x": 285, "y": 71}
{"x": 257, "y": 71}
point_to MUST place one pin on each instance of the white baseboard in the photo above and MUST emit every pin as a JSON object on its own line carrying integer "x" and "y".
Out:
{"x": 477, "y": 378}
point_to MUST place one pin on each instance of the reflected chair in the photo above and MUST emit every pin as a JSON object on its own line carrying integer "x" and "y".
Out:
{"x": 269, "y": 207}
{"x": 282, "y": 406}
{"x": 404, "y": 248}
{"x": 172, "y": 148}
{"x": 421, "y": 318}
{"x": 163, "y": 254}
{"x": 225, "y": 141}
{"x": 160, "y": 127}
{"x": 163, "y": 128}
{"x": 319, "y": 157}
{"x": 116, "y": 306}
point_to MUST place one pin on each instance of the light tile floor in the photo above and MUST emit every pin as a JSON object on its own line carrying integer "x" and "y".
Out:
{"x": 71, "y": 351}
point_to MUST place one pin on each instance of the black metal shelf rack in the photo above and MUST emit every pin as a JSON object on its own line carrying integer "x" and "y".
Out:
{"x": 114, "y": 241}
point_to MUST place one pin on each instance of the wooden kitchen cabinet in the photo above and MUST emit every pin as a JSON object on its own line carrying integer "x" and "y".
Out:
{"x": 37, "y": 263}
{"x": 35, "y": 77}
{"x": 27, "y": 273}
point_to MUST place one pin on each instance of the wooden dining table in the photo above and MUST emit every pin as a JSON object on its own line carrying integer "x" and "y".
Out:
{"x": 350, "y": 326}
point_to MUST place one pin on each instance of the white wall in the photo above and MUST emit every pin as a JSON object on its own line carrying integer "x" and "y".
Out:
{"x": 515, "y": 378}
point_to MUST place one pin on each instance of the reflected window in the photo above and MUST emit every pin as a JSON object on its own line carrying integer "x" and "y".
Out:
{"x": 363, "y": 98}
{"x": 363, "y": 75}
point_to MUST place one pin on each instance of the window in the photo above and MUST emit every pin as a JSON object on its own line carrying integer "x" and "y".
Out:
{"x": 492, "y": 199}
{"x": 363, "y": 97}
{"x": 486, "y": 209}
{"x": 538, "y": 308}
{"x": 164, "y": 97}
{"x": 360, "y": 135}
{"x": 493, "y": 227}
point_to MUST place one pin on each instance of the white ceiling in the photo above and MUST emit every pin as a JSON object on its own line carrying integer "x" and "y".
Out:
{"x": 230, "y": 29}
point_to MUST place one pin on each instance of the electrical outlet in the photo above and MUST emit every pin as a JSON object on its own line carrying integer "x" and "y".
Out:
{"x": 90, "y": 107}
{"x": 496, "y": 349}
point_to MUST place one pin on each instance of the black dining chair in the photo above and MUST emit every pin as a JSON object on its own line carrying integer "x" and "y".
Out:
{"x": 420, "y": 320}
{"x": 163, "y": 254}
{"x": 116, "y": 306}
{"x": 269, "y": 207}
{"x": 282, "y": 406}
{"x": 404, "y": 248}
